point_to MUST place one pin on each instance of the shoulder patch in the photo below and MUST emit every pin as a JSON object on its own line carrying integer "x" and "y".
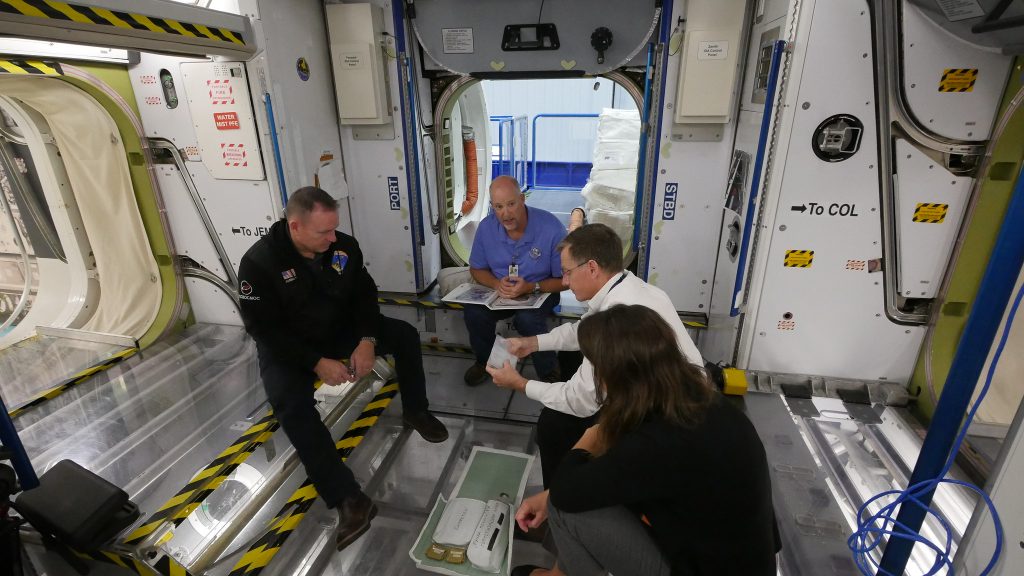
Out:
{"x": 339, "y": 261}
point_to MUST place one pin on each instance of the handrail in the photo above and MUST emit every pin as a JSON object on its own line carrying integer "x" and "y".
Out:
{"x": 533, "y": 141}
{"x": 204, "y": 215}
{"x": 645, "y": 118}
{"x": 268, "y": 106}
{"x": 778, "y": 48}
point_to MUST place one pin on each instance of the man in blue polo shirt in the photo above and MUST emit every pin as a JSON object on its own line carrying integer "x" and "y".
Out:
{"x": 514, "y": 253}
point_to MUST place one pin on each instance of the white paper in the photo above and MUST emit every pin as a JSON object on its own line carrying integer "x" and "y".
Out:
{"x": 500, "y": 354}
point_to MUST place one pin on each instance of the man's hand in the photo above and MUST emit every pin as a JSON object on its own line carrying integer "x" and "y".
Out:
{"x": 533, "y": 511}
{"x": 523, "y": 347}
{"x": 507, "y": 377}
{"x": 513, "y": 287}
{"x": 332, "y": 372}
{"x": 592, "y": 441}
{"x": 362, "y": 359}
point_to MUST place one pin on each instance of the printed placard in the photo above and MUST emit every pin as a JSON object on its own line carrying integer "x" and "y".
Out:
{"x": 226, "y": 121}
{"x": 457, "y": 40}
{"x": 956, "y": 10}
{"x": 713, "y": 50}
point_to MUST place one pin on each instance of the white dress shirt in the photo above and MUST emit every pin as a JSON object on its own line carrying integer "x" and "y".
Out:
{"x": 578, "y": 395}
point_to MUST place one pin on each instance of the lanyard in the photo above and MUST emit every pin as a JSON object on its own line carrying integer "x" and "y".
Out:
{"x": 617, "y": 282}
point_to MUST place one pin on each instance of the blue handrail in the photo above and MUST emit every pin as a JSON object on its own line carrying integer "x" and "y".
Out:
{"x": 407, "y": 93}
{"x": 645, "y": 118}
{"x": 278, "y": 164}
{"x": 533, "y": 142}
{"x": 755, "y": 183}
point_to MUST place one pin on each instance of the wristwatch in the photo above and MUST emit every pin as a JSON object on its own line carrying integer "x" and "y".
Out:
{"x": 536, "y": 287}
{"x": 369, "y": 339}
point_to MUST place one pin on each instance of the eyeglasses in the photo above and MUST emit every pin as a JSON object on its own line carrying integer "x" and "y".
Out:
{"x": 568, "y": 271}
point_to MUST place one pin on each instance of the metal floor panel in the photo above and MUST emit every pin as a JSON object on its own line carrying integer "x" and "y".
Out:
{"x": 40, "y": 362}
{"x": 135, "y": 428}
{"x": 150, "y": 428}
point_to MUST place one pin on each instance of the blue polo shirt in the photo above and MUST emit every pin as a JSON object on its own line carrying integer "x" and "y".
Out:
{"x": 534, "y": 252}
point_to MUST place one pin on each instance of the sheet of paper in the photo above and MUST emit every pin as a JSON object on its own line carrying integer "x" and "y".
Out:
{"x": 500, "y": 354}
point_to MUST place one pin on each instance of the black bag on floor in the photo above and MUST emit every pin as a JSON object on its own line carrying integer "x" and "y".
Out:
{"x": 76, "y": 507}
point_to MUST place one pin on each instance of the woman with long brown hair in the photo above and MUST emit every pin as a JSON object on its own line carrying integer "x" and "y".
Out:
{"x": 672, "y": 480}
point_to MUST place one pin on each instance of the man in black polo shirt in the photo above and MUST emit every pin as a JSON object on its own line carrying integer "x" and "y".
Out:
{"x": 308, "y": 301}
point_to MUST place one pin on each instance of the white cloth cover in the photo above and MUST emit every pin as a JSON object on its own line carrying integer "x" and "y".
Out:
{"x": 97, "y": 168}
{"x": 611, "y": 190}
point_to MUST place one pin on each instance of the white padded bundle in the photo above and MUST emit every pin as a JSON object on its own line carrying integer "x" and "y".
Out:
{"x": 611, "y": 190}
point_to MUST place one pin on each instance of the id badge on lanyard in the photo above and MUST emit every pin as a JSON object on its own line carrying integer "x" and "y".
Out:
{"x": 513, "y": 270}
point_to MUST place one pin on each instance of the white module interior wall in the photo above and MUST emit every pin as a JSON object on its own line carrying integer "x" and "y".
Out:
{"x": 930, "y": 206}
{"x": 218, "y": 96}
{"x": 688, "y": 193}
{"x": 710, "y": 61}
{"x": 358, "y": 62}
{"x": 819, "y": 310}
{"x": 381, "y": 211}
{"x": 718, "y": 342}
{"x": 953, "y": 88}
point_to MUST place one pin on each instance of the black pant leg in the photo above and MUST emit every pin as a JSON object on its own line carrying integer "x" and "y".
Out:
{"x": 557, "y": 433}
{"x": 290, "y": 392}
{"x": 402, "y": 340}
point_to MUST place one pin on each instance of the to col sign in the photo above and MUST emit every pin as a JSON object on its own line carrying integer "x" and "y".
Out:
{"x": 226, "y": 121}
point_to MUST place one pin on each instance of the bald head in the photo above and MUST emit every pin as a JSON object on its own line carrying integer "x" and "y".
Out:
{"x": 508, "y": 204}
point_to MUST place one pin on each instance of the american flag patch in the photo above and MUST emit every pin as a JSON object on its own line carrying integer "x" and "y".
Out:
{"x": 288, "y": 275}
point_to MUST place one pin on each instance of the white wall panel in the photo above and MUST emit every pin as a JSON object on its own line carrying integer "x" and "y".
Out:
{"x": 929, "y": 51}
{"x": 828, "y": 318}
{"x": 925, "y": 242}
{"x": 684, "y": 243}
{"x": 384, "y": 230}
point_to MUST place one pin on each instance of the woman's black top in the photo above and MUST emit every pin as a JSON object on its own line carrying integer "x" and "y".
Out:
{"x": 704, "y": 490}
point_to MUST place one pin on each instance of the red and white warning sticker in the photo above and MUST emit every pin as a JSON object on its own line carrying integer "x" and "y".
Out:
{"x": 233, "y": 154}
{"x": 220, "y": 91}
{"x": 226, "y": 121}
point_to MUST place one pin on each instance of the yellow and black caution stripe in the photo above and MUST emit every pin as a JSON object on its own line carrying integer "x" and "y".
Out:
{"x": 260, "y": 554}
{"x": 82, "y": 14}
{"x": 958, "y": 80}
{"x": 31, "y": 67}
{"x": 182, "y": 504}
{"x": 930, "y": 213}
{"x": 694, "y": 324}
{"x": 418, "y": 303}
{"x": 71, "y": 382}
{"x": 446, "y": 348}
{"x": 798, "y": 258}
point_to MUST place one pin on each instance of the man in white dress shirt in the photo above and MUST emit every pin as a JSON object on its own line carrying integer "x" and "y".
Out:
{"x": 592, "y": 268}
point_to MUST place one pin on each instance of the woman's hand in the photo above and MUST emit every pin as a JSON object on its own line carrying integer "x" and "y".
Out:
{"x": 533, "y": 511}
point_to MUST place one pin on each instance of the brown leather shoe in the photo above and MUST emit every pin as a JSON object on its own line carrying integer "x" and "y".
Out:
{"x": 475, "y": 375}
{"x": 429, "y": 427}
{"x": 354, "y": 515}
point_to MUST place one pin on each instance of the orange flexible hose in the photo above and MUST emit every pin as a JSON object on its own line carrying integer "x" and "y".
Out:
{"x": 472, "y": 177}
